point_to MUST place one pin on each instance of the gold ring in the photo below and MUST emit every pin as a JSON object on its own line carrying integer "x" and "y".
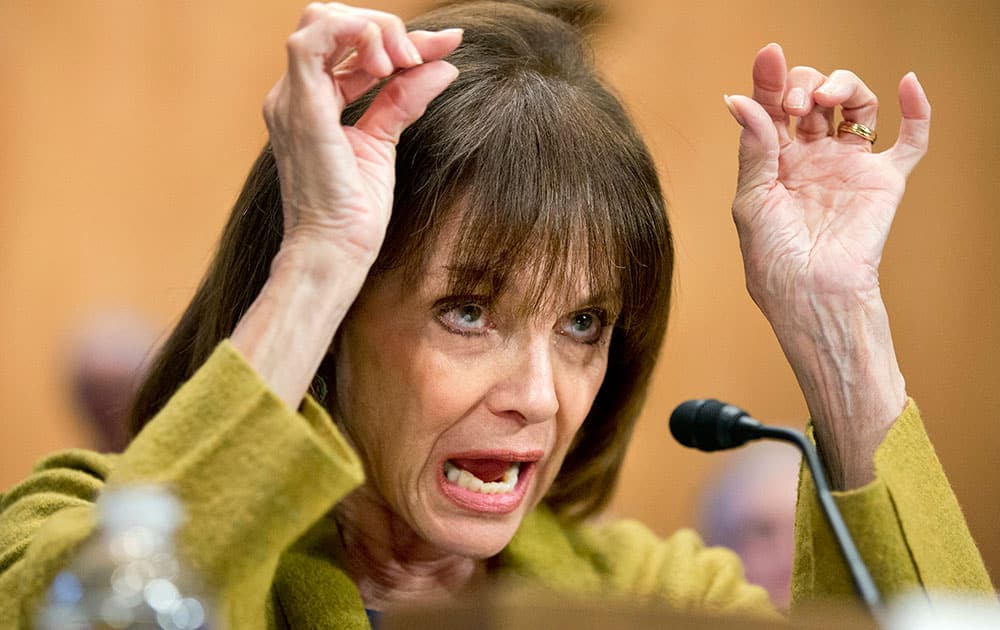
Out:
{"x": 857, "y": 129}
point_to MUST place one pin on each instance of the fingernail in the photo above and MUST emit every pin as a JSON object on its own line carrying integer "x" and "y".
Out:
{"x": 827, "y": 88}
{"x": 796, "y": 98}
{"x": 414, "y": 54}
{"x": 732, "y": 108}
{"x": 453, "y": 30}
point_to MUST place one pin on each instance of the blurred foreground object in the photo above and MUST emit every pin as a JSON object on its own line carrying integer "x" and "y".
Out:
{"x": 750, "y": 508}
{"x": 108, "y": 357}
{"x": 128, "y": 574}
{"x": 914, "y": 612}
{"x": 512, "y": 606}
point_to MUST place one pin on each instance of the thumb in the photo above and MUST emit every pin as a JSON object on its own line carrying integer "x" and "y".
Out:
{"x": 759, "y": 148}
{"x": 404, "y": 98}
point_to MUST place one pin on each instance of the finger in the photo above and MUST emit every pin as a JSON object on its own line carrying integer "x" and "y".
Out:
{"x": 402, "y": 51}
{"x": 769, "y": 70}
{"x": 801, "y": 82}
{"x": 370, "y": 54}
{"x": 815, "y": 121}
{"x": 846, "y": 89}
{"x": 759, "y": 144}
{"x": 310, "y": 48}
{"x": 437, "y": 44}
{"x": 314, "y": 11}
{"x": 858, "y": 103}
{"x": 404, "y": 98}
{"x": 915, "y": 128}
{"x": 355, "y": 81}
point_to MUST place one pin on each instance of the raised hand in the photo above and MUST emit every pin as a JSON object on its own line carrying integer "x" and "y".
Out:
{"x": 813, "y": 210}
{"x": 336, "y": 181}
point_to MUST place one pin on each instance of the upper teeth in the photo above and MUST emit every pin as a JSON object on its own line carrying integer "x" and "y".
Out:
{"x": 463, "y": 478}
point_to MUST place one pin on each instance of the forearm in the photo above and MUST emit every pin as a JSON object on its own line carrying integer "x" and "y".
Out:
{"x": 288, "y": 329}
{"x": 842, "y": 354}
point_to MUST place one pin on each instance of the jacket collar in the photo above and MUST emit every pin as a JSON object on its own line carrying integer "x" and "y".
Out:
{"x": 313, "y": 591}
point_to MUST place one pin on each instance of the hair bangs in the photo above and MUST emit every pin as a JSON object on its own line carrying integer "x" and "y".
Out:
{"x": 532, "y": 194}
{"x": 531, "y": 210}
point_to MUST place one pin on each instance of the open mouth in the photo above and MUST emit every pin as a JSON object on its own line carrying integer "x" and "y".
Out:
{"x": 487, "y": 482}
{"x": 483, "y": 476}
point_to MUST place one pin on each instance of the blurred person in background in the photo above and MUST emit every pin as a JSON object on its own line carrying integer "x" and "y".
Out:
{"x": 416, "y": 360}
{"x": 749, "y": 507}
{"x": 107, "y": 359}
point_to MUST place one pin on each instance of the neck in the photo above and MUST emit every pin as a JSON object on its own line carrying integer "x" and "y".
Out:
{"x": 389, "y": 562}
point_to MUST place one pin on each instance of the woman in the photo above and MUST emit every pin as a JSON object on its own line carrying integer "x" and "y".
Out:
{"x": 470, "y": 271}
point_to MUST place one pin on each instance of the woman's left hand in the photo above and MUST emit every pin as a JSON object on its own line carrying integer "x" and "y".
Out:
{"x": 813, "y": 212}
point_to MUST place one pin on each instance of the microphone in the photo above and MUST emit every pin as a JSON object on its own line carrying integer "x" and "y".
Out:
{"x": 711, "y": 425}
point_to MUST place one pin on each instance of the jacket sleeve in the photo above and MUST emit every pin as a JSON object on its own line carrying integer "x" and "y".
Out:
{"x": 907, "y": 525}
{"x": 252, "y": 474}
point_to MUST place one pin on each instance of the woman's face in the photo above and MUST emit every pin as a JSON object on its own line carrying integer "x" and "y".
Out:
{"x": 463, "y": 410}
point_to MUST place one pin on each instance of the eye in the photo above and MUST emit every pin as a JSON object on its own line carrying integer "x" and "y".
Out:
{"x": 584, "y": 326}
{"x": 464, "y": 318}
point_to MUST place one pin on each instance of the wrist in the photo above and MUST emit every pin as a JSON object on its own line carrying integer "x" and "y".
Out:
{"x": 843, "y": 357}
{"x": 318, "y": 263}
{"x": 290, "y": 326}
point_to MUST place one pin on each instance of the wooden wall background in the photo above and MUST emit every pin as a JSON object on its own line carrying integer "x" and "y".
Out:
{"x": 128, "y": 126}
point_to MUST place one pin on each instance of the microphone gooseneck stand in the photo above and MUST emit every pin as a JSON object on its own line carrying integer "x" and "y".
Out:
{"x": 863, "y": 582}
{"x": 710, "y": 425}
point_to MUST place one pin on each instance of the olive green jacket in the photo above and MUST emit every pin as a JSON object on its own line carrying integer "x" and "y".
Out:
{"x": 259, "y": 480}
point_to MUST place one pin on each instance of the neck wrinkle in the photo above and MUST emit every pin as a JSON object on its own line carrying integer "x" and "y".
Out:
{"x": 389, "y": 562}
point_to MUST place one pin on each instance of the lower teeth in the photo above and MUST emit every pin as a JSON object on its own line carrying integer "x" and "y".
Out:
{"x": 464, "y": 479}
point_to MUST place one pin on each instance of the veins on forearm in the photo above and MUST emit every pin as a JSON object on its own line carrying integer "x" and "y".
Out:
{"x": 846, "y": 366}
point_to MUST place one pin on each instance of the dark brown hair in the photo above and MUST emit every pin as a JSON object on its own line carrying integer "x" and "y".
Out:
{"x": 545, "y": 167}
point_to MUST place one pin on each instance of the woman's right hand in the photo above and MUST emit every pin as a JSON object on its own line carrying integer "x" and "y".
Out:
{"x": 336, "y": 181}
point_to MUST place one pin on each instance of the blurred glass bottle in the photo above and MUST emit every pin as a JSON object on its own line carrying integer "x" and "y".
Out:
{"x": 128, "y": 574}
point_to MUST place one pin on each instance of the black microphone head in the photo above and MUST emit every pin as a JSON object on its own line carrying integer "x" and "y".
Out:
{"x": 711, "y": 425}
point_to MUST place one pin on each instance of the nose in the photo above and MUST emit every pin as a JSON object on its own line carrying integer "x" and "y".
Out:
{"x": 526, "y": 390}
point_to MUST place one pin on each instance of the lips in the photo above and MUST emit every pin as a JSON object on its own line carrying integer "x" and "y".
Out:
{"x": 487, "y": 481}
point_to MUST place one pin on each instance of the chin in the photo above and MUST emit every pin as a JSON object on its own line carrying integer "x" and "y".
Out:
{"x": 473, "y": 536}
